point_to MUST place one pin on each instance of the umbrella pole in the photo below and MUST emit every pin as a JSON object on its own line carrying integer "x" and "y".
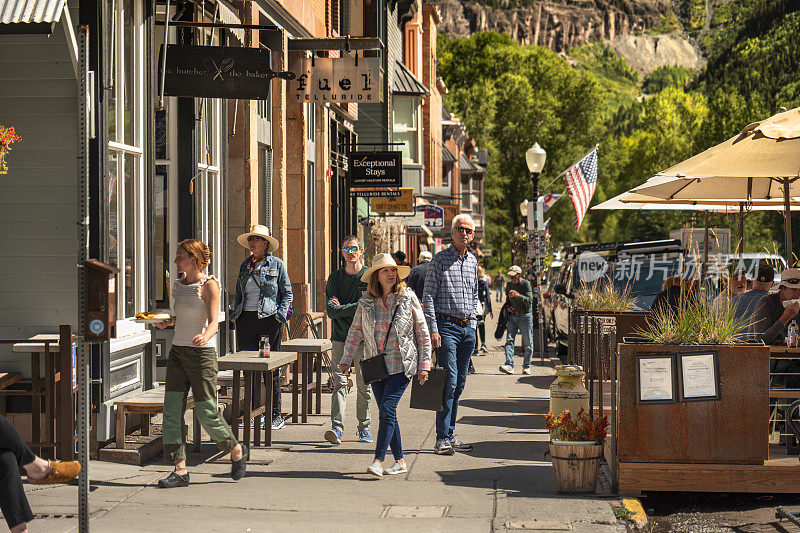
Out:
{"x": 705, "y": 253}
{"x": 787, "y": 221}
{"x": 741, "y": 230}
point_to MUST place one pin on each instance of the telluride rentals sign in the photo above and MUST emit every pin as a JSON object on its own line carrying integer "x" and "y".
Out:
{"x": 218, "y": 72}
{"x": 336, "y": 80}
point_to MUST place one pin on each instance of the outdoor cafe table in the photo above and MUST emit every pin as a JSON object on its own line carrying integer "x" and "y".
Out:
{"x": 308, "y": 350}
{"x": 250, "y": 362}
{"x": 783, "y": 352}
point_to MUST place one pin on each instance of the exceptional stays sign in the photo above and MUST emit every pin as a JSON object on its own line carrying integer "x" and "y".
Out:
{"x": 218, "y": 72}
{"x": 375, "y": 169}
{"x": 336, "y": 79}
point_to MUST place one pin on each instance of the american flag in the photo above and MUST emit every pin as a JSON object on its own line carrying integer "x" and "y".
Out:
{"x": 581, "y": 180}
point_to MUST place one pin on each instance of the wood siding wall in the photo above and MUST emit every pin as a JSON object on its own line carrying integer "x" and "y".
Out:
{"x": 38, "y": 204}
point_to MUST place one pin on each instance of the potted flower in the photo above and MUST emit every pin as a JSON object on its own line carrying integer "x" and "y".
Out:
{"x": 7, "y": 137}
{"x": 577, "y": 452}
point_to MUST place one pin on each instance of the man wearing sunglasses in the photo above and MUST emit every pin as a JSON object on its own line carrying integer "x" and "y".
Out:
{"x": 342, "y": 292}
{"x": 450, "y": 302}
{"x": 774, "y": 312}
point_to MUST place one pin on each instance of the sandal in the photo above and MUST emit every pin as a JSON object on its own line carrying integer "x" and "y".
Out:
{"x": 60, "y": 472}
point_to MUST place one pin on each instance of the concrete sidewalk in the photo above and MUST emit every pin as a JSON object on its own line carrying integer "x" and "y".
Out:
{"x": 506, "y": 483}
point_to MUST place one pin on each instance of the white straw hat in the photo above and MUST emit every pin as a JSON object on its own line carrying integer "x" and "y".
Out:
{"x": 383, "y": 261}
{"x": 514, "y": 270}
{"x": 259, "y": 231}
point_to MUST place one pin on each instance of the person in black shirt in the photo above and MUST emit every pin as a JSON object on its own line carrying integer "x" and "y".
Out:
{"x": 416, "y": 280}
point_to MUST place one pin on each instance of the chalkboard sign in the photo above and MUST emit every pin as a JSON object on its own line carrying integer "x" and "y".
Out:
{"x": 376, "y": 169}
{"x": 218, "y": 72}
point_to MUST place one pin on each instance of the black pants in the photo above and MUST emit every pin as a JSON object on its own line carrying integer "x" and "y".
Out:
{"x": 14, "y": 453}
{"x": 482, "y": 333}
{"x": 249, "y": 329}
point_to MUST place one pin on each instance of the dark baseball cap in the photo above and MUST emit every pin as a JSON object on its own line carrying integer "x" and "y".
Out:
{"x": 765, "y": 273}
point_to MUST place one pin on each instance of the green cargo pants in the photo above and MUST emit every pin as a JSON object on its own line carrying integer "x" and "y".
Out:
{"x": 196, "y": 368}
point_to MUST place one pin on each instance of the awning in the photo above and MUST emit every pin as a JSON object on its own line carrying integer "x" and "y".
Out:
{"x": 30, "y": 16}
{"x": 447, "y": 155}
{"x": 467, "y": 166}
{"x": 406, "y": 83}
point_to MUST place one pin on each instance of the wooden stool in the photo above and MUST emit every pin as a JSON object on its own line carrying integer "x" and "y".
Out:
{"x": 308, "y": 350}
{"x": 148, "y": 403}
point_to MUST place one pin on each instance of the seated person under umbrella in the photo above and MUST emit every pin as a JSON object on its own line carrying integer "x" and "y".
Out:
{"x": 775, "y": 311}
{"x": 744, "y": 305}
{"x": 675, "y": 293}
{"x": 771, "y": 319}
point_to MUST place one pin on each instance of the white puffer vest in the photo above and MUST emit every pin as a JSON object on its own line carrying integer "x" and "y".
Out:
{"x": 404, "y": 328}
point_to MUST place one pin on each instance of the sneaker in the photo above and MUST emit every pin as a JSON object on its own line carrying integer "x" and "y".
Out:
{"x": 375, "y": 469}
{"x": 277, "y": 422}
{"x": 174, "y": 480}
{"x": 484, "y": 350}
{"x": 395, "y": 469}
{"x": 507, "y": 369}
{"x": 527, "y": 371}
{"x": 364, "y": 435}
{"x": 459, "y": 446}
{"x": 443, "y": 447}
{"x": 239, "y": 466}
{"x": 334, "y": 436}
{"x": 471, "y": 369}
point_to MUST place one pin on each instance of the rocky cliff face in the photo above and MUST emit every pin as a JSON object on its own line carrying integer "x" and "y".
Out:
{"x": 557, "y": 24}
{"x": 561, "y": 24}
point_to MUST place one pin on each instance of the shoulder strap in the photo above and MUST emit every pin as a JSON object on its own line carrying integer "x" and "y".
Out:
{"x": 386, "y": 339}
{"x": 261, "y": 288}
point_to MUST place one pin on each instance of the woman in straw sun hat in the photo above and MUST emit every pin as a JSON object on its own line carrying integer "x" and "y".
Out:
{"x": 390, "y": 323}
{"x": 261, "y": 303}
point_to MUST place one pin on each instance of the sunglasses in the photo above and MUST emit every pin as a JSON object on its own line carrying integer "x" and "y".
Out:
{"x": 254, "y": 238}
{"x": 462, "y": 229}
{"x": 793, "y": 281}
{"x": 352, "y": 249}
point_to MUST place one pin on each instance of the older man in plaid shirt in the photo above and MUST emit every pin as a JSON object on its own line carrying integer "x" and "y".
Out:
{"x": 450, "y": 302}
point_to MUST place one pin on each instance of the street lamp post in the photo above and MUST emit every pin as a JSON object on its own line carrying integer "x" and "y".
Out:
{"x": 535, "y": 158}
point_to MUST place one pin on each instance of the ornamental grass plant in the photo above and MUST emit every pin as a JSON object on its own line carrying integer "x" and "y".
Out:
{"x": 608, "y": 298}
{"x": 695, "y": 322}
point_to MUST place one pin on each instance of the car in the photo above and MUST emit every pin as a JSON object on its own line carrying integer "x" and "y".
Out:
{"x": 641, "y": 267}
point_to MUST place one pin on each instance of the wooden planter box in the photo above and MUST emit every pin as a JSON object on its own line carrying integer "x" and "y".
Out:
{"x": 730, "y": 430}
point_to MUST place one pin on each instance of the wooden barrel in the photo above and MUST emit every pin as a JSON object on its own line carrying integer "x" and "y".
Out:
{"x": 575, "y": 465}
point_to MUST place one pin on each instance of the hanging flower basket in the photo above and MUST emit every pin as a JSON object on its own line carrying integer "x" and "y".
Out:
{"x": 8, "y": 136}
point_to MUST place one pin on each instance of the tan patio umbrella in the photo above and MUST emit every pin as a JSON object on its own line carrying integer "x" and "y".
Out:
{"x": 761, "y": 164}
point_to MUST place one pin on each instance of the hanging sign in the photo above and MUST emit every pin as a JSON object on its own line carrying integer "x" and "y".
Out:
{"x": 434, "y": 215}
{"x": 398, "y": 204}
{"x": 336, "y": 80}
{"x": 218, "y": 72}
{"x": 375, "y": 169}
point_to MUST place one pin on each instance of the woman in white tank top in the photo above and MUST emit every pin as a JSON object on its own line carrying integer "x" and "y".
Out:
{"x": 193, "y": 363}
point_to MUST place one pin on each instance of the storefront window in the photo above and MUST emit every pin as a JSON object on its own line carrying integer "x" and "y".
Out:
{"x": 405, "y": 119}
{"x": 447, "y": 174}
{"x": 466, "y": 193}
{"x": 161, "y": 219}
{"x": 125, "y": 150}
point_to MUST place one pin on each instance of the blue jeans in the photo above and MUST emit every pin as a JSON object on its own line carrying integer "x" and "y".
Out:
{"x": 523, "y": 323}
{"x": 387, "y": 395}
{"x": 454, "y": 355}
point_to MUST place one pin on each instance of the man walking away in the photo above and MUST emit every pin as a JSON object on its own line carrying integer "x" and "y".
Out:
{"x": 342, "y": 292}
{"x": 499, "y": 281}
{"x": 519, "y": 297}
{"x": 450, "y": 301}
{"x": 416, "y": 280}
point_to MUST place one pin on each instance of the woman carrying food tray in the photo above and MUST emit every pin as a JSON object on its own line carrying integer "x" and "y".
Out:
{"x": 193, "y": 363}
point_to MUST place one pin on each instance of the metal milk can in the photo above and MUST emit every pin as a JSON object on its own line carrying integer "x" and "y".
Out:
{"x": 568, "y": 390}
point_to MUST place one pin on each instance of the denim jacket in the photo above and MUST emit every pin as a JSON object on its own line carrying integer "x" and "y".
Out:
{"x": 272, "y": 276}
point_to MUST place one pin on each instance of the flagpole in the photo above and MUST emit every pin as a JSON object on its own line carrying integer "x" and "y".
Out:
{"x": 596, "y": 146}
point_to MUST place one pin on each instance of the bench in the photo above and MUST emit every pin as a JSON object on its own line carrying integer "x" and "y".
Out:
{"x": 146, "y": 403}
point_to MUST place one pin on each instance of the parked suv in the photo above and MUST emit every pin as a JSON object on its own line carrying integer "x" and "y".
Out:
{"x": 640, "y": 266}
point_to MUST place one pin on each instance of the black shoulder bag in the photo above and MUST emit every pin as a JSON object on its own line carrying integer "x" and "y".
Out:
{"x": 374, "y": 368}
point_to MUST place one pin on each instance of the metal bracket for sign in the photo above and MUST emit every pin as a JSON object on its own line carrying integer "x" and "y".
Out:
{"x": 336, "y": 43}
